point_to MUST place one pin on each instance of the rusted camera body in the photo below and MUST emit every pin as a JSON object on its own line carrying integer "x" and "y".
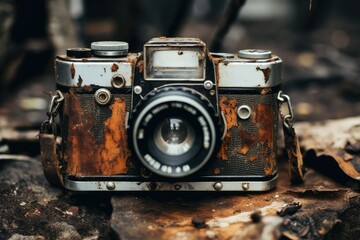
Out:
{"x": 175, "y": 117}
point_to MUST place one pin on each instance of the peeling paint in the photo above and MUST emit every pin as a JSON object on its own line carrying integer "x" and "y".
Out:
{"x": 263, "y": 117}
{"x": 266, "y": 72}
{"x": 80, "y": 81}
{"x": 84, "y": 155}
{"x": 114, "y": 67}
{"x": 72, "y": 71}
{"x": 228, "y": 106}
{"x": 265, "y": 91}
{"x": 216, "y": 171}
{"x": 140, "y": 66}
{"x": 247, "y": 141}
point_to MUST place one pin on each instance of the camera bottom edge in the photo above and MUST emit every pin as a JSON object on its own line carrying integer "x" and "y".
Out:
{"x": 111, "y": 185}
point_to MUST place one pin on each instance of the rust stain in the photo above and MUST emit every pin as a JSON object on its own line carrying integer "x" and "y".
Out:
{"x": 115, "y": 150}
{"x": 253, "y": 157}
{"x": 140, "y": 66}
{"x": 263, "y": 117}
{"x": 224, "y": 149}
{"x": 84, "y": 155}
{"x": 80, "y": 81}
{"x": 216, "y": 171}
{"x": 265, "y": 91}
{"x": 114, "y": 67}
{"x": 247, "y": 141}
{"x": 87, "y": 88}
{"x": 271, "y": 164}
{"x": 132, "y": 61}
{"x": 228, "y": 106}
{"x": 80, "y": 142}
{"x": 216, "y": 62}
{"x": 266, "y": 73}
{"x": 72, "y": 71}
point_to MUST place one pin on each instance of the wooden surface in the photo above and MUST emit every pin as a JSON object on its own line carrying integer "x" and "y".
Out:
{"x": 236, "y": 215}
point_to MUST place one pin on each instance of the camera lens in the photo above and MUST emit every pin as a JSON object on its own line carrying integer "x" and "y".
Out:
{"x": 174, "y": 131}
{"x": 174, "y": 136}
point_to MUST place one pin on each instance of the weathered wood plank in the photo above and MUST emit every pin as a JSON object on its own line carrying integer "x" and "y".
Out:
{"x": 234, "y": 216}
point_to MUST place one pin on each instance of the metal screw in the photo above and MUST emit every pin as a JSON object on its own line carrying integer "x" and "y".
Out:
{"x": 137, "y": 89}
{"x": 212, "y": 92}
{"x": 244, "y": 112}
{"x": 145, "y": 173}
{"x": 245, "y": 186}
{"x": 102, "y": 96}
{"x": 218, "y": 186}
{"x": 208, "y": 85}
{"x": 110, "y": 185}
{"x": 118, "y": 81}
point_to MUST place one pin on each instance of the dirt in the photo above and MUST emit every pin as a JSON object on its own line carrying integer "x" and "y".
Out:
{"x": 30, "y": 206}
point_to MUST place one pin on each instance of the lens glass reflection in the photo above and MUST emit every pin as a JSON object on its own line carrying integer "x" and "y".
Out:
{"x": 174, "y": 136}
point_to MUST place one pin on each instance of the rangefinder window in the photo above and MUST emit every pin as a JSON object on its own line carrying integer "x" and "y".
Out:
{"x": 174, "y": 64}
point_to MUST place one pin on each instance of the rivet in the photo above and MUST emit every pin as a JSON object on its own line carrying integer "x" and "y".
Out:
{"x": 137, "y": 89}
{"x": 110, "y": 185}
{"x": 245, "y": 186}
{"x": 208, "y": 85}
{"x": 218, "y": 186}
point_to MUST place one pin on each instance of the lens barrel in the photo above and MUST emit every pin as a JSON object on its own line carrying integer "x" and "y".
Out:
{"x": 174, "y": 131}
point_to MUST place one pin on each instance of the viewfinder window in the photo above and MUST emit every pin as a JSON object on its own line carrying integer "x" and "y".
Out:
{"x": 174, "y": 64}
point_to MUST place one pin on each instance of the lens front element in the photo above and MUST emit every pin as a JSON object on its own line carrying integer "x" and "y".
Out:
{"x": 174, "y": 136}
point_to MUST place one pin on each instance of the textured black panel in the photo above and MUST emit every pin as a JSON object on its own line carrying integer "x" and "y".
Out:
{"x": 239, "y": 164}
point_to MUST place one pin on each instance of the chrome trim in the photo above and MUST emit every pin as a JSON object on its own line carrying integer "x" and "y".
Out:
{"x": 72, "y": 72}
{"x": 247, "y": 73}
{"x": 252, "y": 186}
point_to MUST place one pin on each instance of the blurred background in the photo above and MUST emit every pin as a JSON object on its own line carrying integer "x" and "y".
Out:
{"x": 318, "y": 41}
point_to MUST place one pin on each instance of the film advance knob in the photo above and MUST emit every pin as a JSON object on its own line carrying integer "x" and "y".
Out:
{"x": 255, "y": 54}
{"x": 78, "y": 52}
{"x": 110, "y": 48}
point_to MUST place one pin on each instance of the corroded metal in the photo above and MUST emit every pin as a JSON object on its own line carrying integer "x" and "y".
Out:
{"x": 84, "y": 155}
{"x": 250, "y": 141}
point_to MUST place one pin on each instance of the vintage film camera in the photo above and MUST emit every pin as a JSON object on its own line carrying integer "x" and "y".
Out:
{"x": 175, "y": 117}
